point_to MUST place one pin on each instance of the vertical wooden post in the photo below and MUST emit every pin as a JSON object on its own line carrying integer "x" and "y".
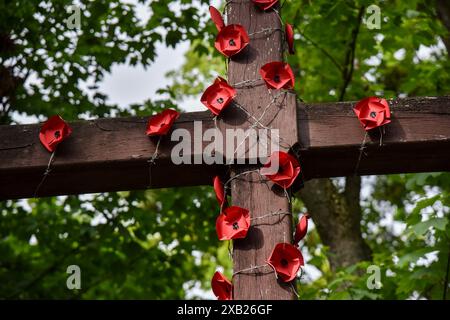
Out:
{"x": 257, "y": 197}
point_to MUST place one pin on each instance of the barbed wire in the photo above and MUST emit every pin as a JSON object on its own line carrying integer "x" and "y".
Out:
{"x": 46, "y": 173}
{"x": 151, "y": 162}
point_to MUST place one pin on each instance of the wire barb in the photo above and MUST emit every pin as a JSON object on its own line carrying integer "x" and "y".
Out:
{"x": 46, "y": 173}
{"x": 361, "y": 151}
{"x": 250, "y": 269}
{"x": 151, "y": 162}
{"x": 278, "y": 213}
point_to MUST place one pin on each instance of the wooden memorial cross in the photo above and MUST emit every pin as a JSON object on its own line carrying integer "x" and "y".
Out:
{"x": 276, "y": 109}
{"x": 111, "y": 154}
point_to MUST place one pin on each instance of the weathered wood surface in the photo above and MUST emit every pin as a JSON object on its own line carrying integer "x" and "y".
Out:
{"x": 101, "y": 155}
{"x": 247, "y": 191}
{"x": 111, "y": 154}
{"x": 416, "y": 140}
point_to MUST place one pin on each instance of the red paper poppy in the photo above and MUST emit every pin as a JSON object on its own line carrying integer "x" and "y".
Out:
{"x": 301, "y": 228}
{"x": 219, "y": 190}
{"x": 265, "y": 4}
{"x": 286, "y": 260}
{"x": 54, "y": 131}
{"x": 289, "y": 31}
{"x": 373, "y": 112}
{"x": 282, "y": 169}
{"x": 216, "y": 17}
{"x": 221, "y": 286}
{"x": 160, "y": 123}
{"x": 231, "y": 40}
{"x": 218, "y": 96}
{"x": 277, "y": 75}
{"x": 233, "y": 223}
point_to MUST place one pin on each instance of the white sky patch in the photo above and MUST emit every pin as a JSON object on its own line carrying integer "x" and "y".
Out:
{"x": 428, "y": 259}
{"x": 194, "y": 291}
{"x": 374, "y": 61}
{"x": 127, "y": 85}
{"x": 400, "y": 54}
{"x": 33, "y": 240}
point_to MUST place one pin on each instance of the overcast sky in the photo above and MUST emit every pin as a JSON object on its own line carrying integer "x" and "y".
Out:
{"x": 145, "y": 83}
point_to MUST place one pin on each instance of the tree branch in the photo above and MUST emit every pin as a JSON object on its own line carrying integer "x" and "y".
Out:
{"x": 349, "y": 64}
{"x": 339, "y": 226}
{"x": 326, "y": 53}
{"x": 338, "y": 215}
{"x": 315, "y": 44}
{"x": 443, "y": 14}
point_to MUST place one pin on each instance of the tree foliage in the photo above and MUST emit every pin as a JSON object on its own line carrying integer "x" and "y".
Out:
{"x": 161, "y": 243}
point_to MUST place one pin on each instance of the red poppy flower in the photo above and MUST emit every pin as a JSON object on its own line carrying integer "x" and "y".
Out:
{"x": 277, "y": 75}
{"x": 289, "y": 31}
{"x": 265, "y": 4}
{"x": 54, "y": 131}
{"x": 231, "y": 40}
{"x": 286, "y": 261}
{"x": 160, "y": 123}
{"x": 373, "y": 112}
{"x": 301, "y": 228}
{"x": 233, "y": 223}
{"x": 221, "y": 287}
{"x": 218, "y": 96}
{"x": 282, "y": 169}
{"x": 219, "y": 190}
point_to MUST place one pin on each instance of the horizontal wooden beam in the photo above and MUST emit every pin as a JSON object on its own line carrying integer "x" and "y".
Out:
{"x": 101, "y": 155}
{"x": 416, "y": 140}
{"x": 111, "y": 154}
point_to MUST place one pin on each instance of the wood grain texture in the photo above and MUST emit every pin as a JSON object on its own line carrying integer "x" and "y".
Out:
{"x": 102, "y": 155}
{"x": 248, "y": 192}
{"x": 416, "y": 140}
{"x": 111, "y": 154}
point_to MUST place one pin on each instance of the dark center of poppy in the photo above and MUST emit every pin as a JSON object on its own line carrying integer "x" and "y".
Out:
{"x": 231, "y": 42}
{"x": 220, "y": 100}
{"x": 57, "y": 134}
{"x": 373, "y": 114}
{"x": 284, "y": 262}
{"x": 235, "y": 226}
{"x": 277, "y": 78}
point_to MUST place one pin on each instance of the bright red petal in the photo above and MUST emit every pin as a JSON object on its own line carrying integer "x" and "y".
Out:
{"x": 160, "y": 123}
{"x": 233, "y": 223}
{"x": 219, "y": 190}
{"x": 265, "y": 4}
{"x": 285, "y": 173}
{"x": 216, "y": 17}
{"x": 218, "y": 96}
{"x": 286, "y": 260}
{"x": 277, "y": 75}
{"x": 54, "y": 131}
{"x": 372, "y": 112}
{"x": 301, "y": 229}
{"x": 221, "y": 286}
{"x": 231, "y": 40}
{"x": 289, "y": 37}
